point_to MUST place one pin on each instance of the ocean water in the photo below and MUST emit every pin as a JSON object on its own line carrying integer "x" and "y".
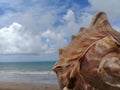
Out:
{"x": 27, "y": 72}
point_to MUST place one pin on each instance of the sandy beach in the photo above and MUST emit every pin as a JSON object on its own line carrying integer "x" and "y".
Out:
{"x": 27, "y": 76}
{"x": 27, "y": 86}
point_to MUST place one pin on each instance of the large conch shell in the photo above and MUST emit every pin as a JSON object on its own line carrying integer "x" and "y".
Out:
{"x": 92, "y": 60}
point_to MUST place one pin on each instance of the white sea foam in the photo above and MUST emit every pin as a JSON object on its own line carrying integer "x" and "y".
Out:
{"x": 29, "y": 72}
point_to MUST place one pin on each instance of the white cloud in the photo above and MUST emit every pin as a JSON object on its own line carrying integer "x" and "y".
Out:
{"x": 69, "y": 16}
{"x": 9, "y": 37}
{"x": 33, "y": 22}
{"x": 85, "y": 19}
{"x": 37, "y": 26}
{"x": 69, "y": 26}
{"x": 47, "y": 20}
{"x": 14, "y": 40}
{"x": 73, "y": 22}
{"x": 53, "y": 40}
{"x": 55, "y": 37}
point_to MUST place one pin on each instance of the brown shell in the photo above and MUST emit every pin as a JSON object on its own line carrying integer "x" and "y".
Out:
{"x": 80, "y": 58}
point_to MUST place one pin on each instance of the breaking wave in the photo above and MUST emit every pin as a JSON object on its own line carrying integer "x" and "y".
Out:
{"x": 29, "y": 72}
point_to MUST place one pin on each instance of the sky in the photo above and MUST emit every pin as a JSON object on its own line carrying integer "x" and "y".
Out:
{"x": 34, "y": 30}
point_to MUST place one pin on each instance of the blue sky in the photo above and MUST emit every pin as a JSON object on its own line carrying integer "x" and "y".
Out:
{"x": 34, "y": 30}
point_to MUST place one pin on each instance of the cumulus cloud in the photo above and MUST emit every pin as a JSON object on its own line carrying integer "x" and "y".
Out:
{"x": 69, "y": 16}
{"x": 69, "y": 26}
{"x": 53, "y": 40}
{"x": 8, "y": 37}
{"x": 38, "y": 26}
{"x": 57, "y": 37}
{"x": 85, "y": 19}
{"x": 14, "y": 40}
{"x": 72, "y": 23}
{"x": 30, "y": 28}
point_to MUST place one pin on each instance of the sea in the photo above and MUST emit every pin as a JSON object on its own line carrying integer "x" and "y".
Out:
{"x": 28, "y": 72}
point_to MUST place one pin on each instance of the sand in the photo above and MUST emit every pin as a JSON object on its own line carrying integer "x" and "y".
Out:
{"x": 27, "y": 86}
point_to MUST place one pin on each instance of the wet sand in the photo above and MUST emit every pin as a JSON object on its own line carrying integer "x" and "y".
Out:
{"x": 27, "y": 86}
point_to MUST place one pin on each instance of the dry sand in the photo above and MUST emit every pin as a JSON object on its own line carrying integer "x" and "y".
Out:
{"x": 26, "y": 86}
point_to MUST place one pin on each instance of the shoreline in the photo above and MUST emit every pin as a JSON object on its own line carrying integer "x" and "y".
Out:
{"x": 27, "y": 86}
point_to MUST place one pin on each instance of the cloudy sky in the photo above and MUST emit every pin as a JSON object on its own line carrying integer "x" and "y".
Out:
{"x": 33, "y": 30}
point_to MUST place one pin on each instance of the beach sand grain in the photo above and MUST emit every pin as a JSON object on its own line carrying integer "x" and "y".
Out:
{"x": 27, "y": 86}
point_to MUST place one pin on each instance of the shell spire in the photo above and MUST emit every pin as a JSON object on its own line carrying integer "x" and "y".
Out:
{"x": 100, "y": 18}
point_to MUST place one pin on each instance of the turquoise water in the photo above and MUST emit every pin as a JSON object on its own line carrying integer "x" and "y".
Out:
{"x": 29, "y": 72}
{"x": 27, "y": 66}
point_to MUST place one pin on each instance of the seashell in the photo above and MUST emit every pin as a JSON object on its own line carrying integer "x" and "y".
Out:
{"x": 92, "y": 61}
